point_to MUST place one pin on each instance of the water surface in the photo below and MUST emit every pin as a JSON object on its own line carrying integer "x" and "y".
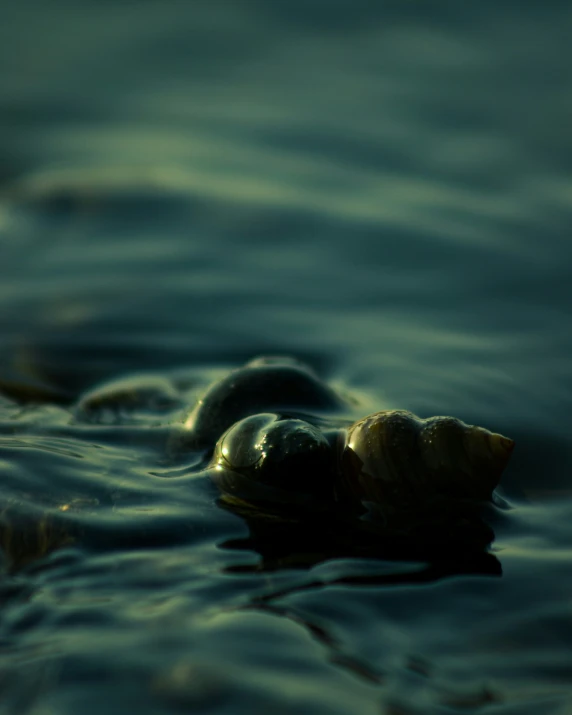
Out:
{"x": 383, "y": 191}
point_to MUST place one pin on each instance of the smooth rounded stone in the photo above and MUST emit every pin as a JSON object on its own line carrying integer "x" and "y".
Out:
{"x": 264, "y": 385}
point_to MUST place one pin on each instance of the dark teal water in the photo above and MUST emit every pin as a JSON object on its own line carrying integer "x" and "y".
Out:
{"x": 381, "y": 189}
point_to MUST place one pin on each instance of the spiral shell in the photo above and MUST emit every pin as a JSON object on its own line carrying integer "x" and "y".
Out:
{"x": 262, "y": 386}
{"x": 395, "y": 459}
{"x": 266, "y": 459}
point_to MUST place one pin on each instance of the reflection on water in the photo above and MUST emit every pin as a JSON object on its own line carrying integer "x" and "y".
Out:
{"x": 383, "y": 192}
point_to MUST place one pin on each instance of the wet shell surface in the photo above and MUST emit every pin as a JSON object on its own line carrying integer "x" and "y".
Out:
{"x": 266, "y": 452}
{"x": 262, "y": 385}
{"x": 266, "y": 459}
{"x": 396, "y": 459}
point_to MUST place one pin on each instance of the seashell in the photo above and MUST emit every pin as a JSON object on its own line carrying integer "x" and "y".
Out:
{"x": 263, "y": 385}
{"x": 395, "y": 459}
{"x": 394, "y": 466}
{"x": 264, "y": 458}
{"x": 463, "y": 460}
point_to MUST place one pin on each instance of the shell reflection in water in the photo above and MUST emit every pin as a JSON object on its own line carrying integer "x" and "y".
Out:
{"x": 266, "y": 459}
{"x": 395, "y": 459}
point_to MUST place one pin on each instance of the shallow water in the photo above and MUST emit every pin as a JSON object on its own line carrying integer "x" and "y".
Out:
{"x": 384, "y": 192}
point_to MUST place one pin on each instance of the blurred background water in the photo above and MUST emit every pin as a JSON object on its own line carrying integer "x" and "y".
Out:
{"x": 381, "y": 189}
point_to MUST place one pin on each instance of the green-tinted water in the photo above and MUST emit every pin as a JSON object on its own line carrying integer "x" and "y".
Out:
{"x": 382, "y": 191}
